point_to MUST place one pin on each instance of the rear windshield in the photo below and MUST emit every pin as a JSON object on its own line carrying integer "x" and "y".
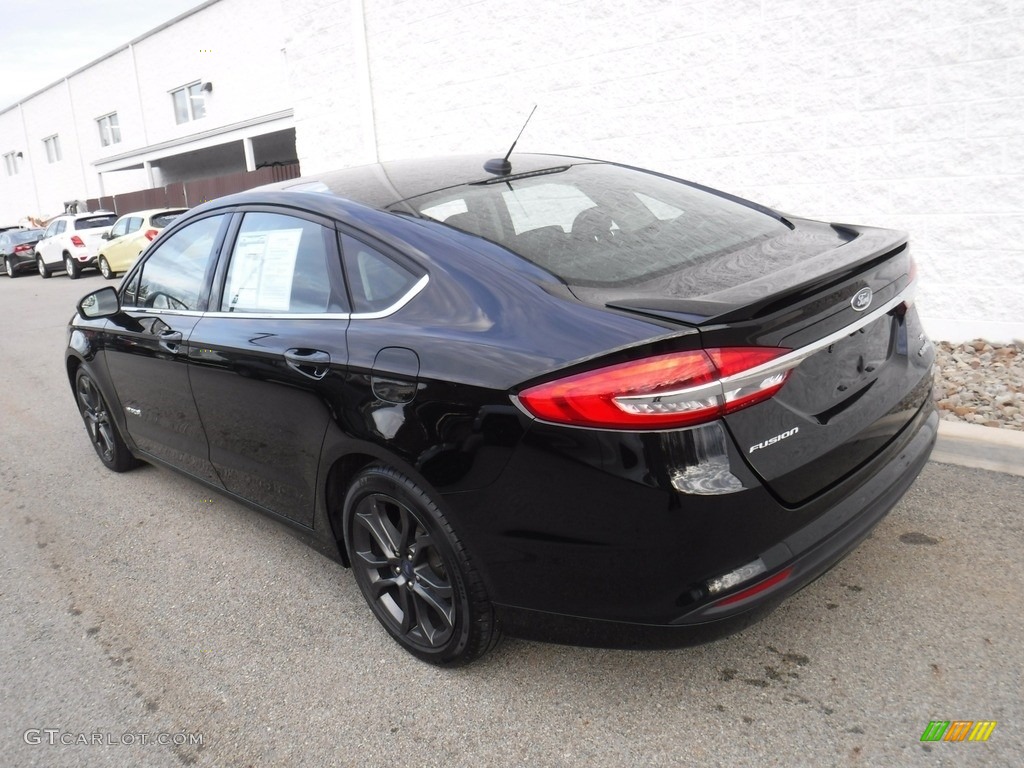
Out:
{"x": 93, "y": 222}
{"x": 25, "y": 235}
{"x": 601, "y": 225}
{"x": 161, "y": 220}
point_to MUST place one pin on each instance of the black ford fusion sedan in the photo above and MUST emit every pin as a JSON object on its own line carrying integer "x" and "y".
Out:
{"x": 564, "y": 399}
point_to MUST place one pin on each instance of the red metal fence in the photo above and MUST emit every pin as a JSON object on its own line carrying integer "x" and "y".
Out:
{"x": 191, "y": 193}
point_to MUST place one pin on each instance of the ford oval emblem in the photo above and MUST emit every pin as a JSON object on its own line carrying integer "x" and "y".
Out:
{"x": 861, "y": 300}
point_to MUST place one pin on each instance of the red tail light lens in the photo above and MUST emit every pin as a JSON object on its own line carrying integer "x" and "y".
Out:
{"x": 77, "y": 241}
{"x": 22, "y": 248}
{"x": 151, "y": 233}
{"x": 675, "y": 390}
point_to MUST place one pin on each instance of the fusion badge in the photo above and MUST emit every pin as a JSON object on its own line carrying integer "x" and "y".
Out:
{"x": 773, "y": 440}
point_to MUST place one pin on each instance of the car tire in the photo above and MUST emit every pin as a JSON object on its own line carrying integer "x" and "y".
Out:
{"x": 41, "y": 266}
{"x": 413, "y": 571}
{"x": 105, "y": 270}
{"x": 10, "y": 268}
{"x": 70, "y": 267}
{"x": 99, "y": 424}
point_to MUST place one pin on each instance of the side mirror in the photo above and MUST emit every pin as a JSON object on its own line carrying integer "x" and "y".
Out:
{"x": 105, "y": 236}
{"x": 101, "y": 303}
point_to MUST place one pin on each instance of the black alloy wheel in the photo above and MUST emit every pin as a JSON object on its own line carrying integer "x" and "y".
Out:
{"x": 41, "y": 266}
{"x": 105, "y": 269}
{"x": 103, "y": 434}
{"x": 414, "y": 572}
{"x": 70, "y": 267}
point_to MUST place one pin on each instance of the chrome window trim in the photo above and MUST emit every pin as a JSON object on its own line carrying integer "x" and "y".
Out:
{"x": 409, "y": 296}
{"x": 285, "y": 315}
{"x": 405, "y": 299}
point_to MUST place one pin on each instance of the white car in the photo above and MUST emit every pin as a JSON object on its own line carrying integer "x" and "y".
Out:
{"x": 71, "y": 242}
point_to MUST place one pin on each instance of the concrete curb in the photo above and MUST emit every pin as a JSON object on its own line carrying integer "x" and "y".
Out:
{"x": 971, "y": 445}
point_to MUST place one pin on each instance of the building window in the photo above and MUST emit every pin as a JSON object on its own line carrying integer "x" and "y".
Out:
{"x": 189, "y": 103}
{"x": 110, "y": 129}
{"x": 52, "y": 148}
{"x": 11, "y": 163}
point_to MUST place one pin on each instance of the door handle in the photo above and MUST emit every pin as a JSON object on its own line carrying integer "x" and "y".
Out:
{"x": 314, "y": 363}
{"x": 170, "y": 341}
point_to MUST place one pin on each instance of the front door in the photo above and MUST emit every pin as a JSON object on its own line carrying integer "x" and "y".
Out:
{"x": 147, "y": 347}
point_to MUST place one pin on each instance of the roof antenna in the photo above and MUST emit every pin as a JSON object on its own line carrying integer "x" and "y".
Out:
{"x": 502, "y": 166}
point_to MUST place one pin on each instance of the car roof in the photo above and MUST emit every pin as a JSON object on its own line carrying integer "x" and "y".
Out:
{"x": 151, "y": 212}
{"x": 77, "y": 216}
{"x": 382, "y": 185}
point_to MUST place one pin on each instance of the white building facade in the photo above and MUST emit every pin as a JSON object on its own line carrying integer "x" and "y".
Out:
{"x": 202, "y": 95}
{"x": 897, "y": 113}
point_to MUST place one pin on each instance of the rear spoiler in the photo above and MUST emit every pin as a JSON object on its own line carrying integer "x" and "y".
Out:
{"x": 867, "y": 248}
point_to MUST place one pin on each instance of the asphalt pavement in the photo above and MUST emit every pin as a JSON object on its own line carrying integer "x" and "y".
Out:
{"x": 146, "y": 621}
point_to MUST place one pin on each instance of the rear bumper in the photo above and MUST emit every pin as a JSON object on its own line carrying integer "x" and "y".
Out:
{"x": 814, "y": 549}
{"x": 635, "y": 578}
{"x": 22, "y": 261}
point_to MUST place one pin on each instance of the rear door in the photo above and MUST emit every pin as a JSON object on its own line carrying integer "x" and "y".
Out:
{"x": 49, "y": 247}
{"x": 147, "y": 346}
{"x": 268, "y": 358}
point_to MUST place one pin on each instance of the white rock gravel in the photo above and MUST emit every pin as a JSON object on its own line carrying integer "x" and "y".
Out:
{"x": 980, "y": 382}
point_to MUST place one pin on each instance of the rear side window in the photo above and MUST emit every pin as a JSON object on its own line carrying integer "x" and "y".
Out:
{"x": 95, "y": 222}
{"x": 279, "y": 263}
{"x": 375, "y": 280}
{"x": 173, "y": 276}
{"x": 601, "y": 225}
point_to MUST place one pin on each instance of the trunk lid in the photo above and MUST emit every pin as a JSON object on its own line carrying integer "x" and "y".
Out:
{"x": 865, "y": 362}
{"x": 91, "y": 230}
{"x": 93, "y": 239}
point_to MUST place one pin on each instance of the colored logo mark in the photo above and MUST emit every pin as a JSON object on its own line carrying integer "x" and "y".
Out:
{"x": 958, "y": 730}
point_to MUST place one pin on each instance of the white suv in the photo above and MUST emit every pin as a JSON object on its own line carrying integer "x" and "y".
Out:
{"x": 71, "y": 242}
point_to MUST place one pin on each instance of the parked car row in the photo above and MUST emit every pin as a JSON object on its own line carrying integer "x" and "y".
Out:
{"x": 72, "y": 243}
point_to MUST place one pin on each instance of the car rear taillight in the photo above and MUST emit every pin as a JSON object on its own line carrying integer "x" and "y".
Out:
{"x": 152, "y": 233}
{"x": 22, "y": 248}
{"x": 77, "y": 241}
{"x": 681, "y": 389}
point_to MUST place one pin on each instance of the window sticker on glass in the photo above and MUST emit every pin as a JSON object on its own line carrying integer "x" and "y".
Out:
{"x": 262, "y": 269}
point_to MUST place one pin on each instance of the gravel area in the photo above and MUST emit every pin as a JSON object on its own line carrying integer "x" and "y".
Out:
{"x": 979, "y": 382}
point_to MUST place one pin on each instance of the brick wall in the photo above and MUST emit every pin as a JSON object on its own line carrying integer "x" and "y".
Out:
{"x": 899, "y": 113}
